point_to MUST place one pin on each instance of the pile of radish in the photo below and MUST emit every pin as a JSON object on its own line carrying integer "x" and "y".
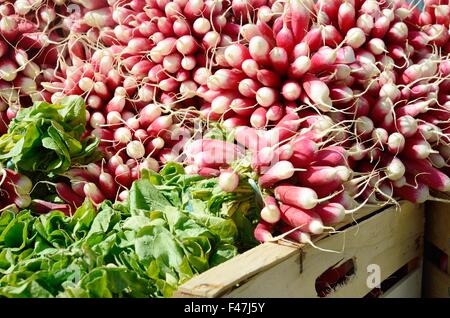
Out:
{"x": 330, "y": 104}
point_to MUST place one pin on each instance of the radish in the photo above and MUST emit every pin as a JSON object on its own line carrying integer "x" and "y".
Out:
{"x": 364, "y": 126}
{"x": 299, "y": 67}
{"x": 281, "y": 170}
{"x": 99, "y": 18}
{"x": 221, "y": 104}
{"x": 291, "y": 90}
{"x": 331, "y": 156}
{"x": 228, "y": 181}
{"x": 92, "y": 191}
{"x": 444, "y": 151}
{"x": 300, "y": 17}
{"x": 266, "y": 96}
{"x": 135, "y": 149}
{"x": 417, "y": 148}
{"x": 396, "y": 143}
{"x": 249, "y": 138}
{"x": 149, "y": 164}
{"x": 270, "y": 213}
{"x": 355, "y": 38}
{"x": 400, "y": 182}
{"x": 263, "y": 231}
{"x": 268, "y": 156}
{"x": 279, "y": 59}
{"x": 304, "y": 198}
{"x": 159, "y": 125}
{"x": 234, "y": 122}
{"x": 93, "y": 170}
{"x": 205, "y": 171}
{"x": 376, "y": 46}
{"x": 398, "y": 32}
{"x": 296, "y": 235}
{"x": 107, "y": 185}
{"x": 250, "y": 68}
{"x": 316, "y": 176}
{"x": 268, "y": 78}
{"x": 427, "y": 174}
{"x": 114, "y": 162}
{"x": 330, "y": 213}
{"x": 21, "y": 183}
{"x": 8, "y": 70}
{"x": 416, "y": 194}
{"x": 414, "y": 109}
{"x": 225, "y": 79}
{"x": 318, "y": 92}
{"x": 41, "y": 206}
{"x": 122, "y": 135}
{"x": 304, "y": 152}
{"x": 395, "y": 169}
{"x": 346, "y": 200}
{"x": 122, "y": 175}
{"x": 437, "y": 160}
{"x": 301, "y": 49}
{"x": 236, "y": 54}
{"x": 259, "y": 49}
{"x": 275, "y": 113}
{"x": 214, "y": 158}
{"x": 322, "y": 59}
{"x": 242, "y": 106}
{"x": 248, "y": 87}
{"x": 117, "y": 103}
{"x": 345, "y": 55}
{"x": 306, "y": 221}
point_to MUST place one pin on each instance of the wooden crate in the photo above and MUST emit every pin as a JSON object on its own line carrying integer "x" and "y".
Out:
{"x": 436, "y": 283}
{"x": 409, "y": 286}
{"x": 438, "y": 225}
{"x": 437, "y": 232}
{"x": 389, "y": 238}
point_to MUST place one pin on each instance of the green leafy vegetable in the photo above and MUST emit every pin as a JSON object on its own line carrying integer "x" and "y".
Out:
{"x": 46, "y": 138}
{"x": 173, "y": 226}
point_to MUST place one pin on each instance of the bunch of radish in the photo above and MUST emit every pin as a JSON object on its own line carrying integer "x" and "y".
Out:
{"x": 366, "y": 80}
{"x": 26, "y": 52}
{"x": 141, "y": 83}
{"x": 303, "y": 179}
{"x": 108, "y": 180}
{"x": 35, "y": 49}
{"x": 332, "y": 103}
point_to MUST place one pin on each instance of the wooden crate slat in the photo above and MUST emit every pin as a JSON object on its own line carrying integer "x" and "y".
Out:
{"x": 390, "y": 239}
{"x": 438, "y": 225}
{"x": 436, "y": 284}
{"x": 409, "y": 286}
{"x": 272, "y": 270}
{"x": 214, "y": 282}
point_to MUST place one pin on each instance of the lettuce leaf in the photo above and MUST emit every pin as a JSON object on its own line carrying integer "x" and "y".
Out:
{"x": 173, "y": 227}
{"x": 47, "y": 138}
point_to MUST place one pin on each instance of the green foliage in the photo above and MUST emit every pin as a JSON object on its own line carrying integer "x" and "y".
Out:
{"x": 173, "y": 226}
{"x": 46, "y": 138}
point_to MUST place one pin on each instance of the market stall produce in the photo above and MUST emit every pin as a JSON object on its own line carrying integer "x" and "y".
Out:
{"x": 279, "y": 118}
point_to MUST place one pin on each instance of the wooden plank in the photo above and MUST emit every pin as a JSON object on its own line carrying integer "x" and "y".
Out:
{"x": 389, "y": 239}
{"x": 436, "y": 284}
{"x": 438, "y": 225}
{"x": 409, "y": 286}
{"x": 223, "y": 277}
